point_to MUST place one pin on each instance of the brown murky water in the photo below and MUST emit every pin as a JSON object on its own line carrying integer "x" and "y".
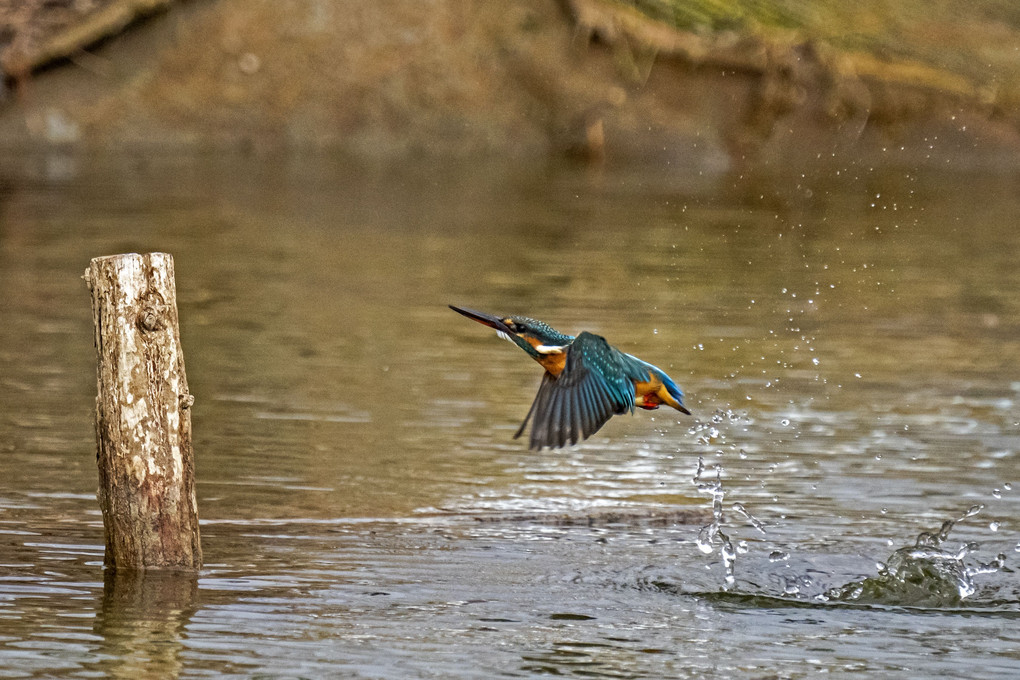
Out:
{"x": 849, "y": 341}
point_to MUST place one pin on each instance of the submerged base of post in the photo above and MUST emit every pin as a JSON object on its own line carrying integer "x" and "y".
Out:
{"x": 143, "y": 416}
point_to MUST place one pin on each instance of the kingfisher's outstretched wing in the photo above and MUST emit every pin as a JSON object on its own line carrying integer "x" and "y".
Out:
{"x": 597, "y": 383}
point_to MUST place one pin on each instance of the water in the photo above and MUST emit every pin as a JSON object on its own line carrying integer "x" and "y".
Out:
{"x": 849, "y": 342}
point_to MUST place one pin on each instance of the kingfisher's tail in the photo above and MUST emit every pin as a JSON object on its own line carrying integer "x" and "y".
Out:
{"x": 674, "y": 391}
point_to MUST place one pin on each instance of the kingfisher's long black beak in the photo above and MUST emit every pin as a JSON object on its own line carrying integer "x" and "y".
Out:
{"x": 483, "y": 318}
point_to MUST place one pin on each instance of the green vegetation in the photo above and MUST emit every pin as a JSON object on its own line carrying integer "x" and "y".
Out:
{"x": 978, "y": 41}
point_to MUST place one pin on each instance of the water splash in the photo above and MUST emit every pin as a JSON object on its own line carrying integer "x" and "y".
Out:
{"x": 713, "y": 533}
{"x": 926, "y": 574}
{"x": 751, "y": 519}
{"x": 711, "y": 431}
{"x": 709, "y": 533}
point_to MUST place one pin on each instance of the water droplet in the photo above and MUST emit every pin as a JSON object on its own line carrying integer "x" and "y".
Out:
{"x": 752, "y": 520}
{"x": 996, "y": 493}
{"x": 973, "y": 510}
{"x": 1007, "y": 486}
{"x": 815, "y": 361}
{"x": 994, "y": 526}
{"x": 778, "y": 556}
{"x": 785, "y": 422}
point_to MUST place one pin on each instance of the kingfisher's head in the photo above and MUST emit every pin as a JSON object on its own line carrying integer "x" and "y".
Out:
{"x": 533, "y": 336}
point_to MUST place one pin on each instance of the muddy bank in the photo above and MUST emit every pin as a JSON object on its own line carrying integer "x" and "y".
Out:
{"x": 580, "y": 78}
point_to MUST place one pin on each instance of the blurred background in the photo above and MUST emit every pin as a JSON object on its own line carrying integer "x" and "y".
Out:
{"x": 697, "y": 82}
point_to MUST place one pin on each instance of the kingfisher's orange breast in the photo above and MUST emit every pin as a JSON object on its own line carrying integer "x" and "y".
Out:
{"x": 553, "y": 362}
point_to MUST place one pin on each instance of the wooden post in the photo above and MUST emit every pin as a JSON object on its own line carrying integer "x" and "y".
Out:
{"x": 143, "y": 416}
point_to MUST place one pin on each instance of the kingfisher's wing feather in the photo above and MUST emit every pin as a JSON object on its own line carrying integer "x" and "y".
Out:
{"x": 538, "y": 397}
{"x": 595, "y": 385}
{"x": 566, "y": 417}
{"x": 576, "y": 428}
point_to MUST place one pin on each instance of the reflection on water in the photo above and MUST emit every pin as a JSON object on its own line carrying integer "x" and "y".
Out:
{"x": 848, "y": 340}
{"x": 142, "y": 622}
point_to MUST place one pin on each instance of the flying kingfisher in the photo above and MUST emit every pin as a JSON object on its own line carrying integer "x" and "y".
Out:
{"x": 587, "y": 381}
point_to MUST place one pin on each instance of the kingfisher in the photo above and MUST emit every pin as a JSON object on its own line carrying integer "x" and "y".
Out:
{"x": 586, "y": 382}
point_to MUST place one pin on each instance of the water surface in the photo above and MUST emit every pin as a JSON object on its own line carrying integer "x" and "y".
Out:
{"x": 848, "y": 339}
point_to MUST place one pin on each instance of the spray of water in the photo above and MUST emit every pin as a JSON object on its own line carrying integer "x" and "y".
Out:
{"x": 925, "y": 574}
{"x": 713, "y": 533}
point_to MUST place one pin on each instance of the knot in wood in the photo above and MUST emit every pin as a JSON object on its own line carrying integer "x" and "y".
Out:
{"x": 153, "y": 312}
{"x": 150, "y": 319}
